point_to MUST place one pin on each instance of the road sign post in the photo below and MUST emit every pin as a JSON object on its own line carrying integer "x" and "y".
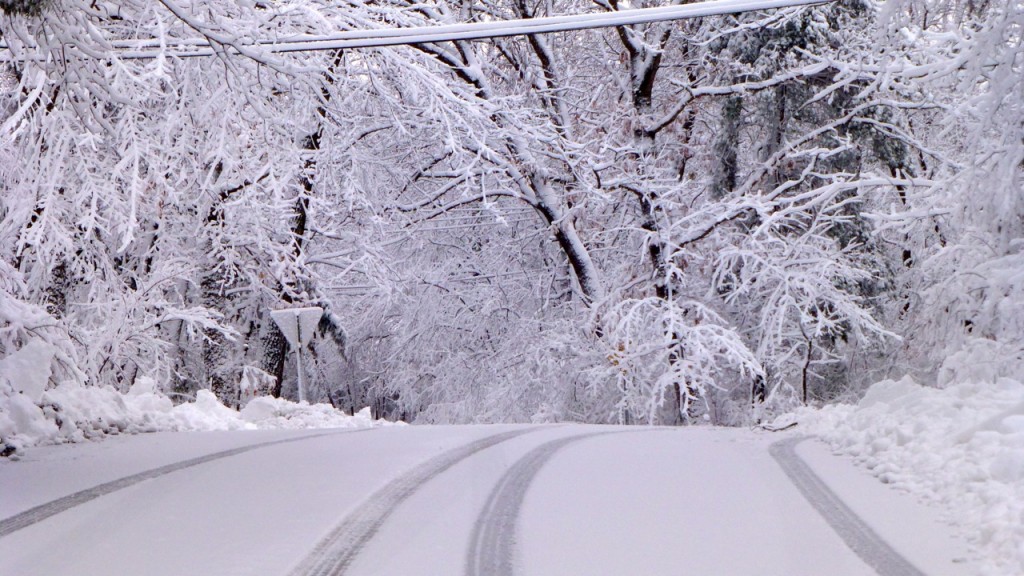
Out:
{"x": 298, "y": 325}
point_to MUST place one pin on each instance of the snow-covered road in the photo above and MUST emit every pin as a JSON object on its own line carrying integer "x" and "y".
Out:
{"x": 475, "y": 500}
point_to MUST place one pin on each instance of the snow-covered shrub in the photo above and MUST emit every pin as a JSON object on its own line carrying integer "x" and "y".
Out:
{"x": 664, "y": 357}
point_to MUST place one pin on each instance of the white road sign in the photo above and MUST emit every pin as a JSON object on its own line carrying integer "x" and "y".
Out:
{"x": 298, "y": 325}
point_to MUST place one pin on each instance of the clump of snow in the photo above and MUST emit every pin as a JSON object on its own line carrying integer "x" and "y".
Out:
{"x": 270, "y": 412}
{"x": 960, "y": 447}
{"x": 21, "y": 420}
{"x": 72, "y": 412}
{"x": 27, "y": 370}
{"x": 206, "y": 413}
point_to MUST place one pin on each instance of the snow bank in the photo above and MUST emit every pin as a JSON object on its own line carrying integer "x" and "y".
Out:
{"x": 71, "y": 412}
{"x": 961, "y": 447}
{"x": 269, "y": 412}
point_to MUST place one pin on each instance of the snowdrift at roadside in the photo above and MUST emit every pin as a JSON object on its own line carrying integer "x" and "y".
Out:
{"x": 71, "y": 412}
{"x": 960, "y": 447}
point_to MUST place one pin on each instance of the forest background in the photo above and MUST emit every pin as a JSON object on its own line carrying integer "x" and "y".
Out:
{"x": 716, "y": 219}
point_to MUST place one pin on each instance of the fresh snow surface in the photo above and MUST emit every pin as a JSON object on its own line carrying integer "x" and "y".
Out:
{"x": 577, "y": 499}
{"x": 960, "y": 448}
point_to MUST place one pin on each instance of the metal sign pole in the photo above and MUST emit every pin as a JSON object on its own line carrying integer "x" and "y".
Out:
{"x": 298, "y": 363}
{"x": 302, "y": 378}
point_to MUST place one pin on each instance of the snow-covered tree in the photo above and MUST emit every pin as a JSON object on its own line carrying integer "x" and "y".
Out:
{"x": 656, "y": 223}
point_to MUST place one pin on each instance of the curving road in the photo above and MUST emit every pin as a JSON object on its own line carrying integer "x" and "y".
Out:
{"x": 474, "y": 500}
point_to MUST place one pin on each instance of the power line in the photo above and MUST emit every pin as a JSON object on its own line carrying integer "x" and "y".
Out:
{"x": 503, "y": 28}
{"x": 192, "y": 48}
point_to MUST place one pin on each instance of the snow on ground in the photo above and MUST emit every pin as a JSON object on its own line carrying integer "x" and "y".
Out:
{"x": 71, "y": 412}
{"x": 258, "y": 512}
{"x": 722, "y": 506}
{"x": 34, "y": 413}
{"x": 609, "y": 500}
{"x": 960, "y": 447}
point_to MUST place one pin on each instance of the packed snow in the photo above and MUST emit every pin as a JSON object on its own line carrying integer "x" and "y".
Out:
{"x": 960, "y": 448}
{"x": 608, "y": 500}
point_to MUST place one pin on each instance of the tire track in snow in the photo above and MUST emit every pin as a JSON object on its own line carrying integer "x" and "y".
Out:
{"x": 333, "y": 555}
{"x": 492, "y": 544}
{"x": 43, "y": 511}
{"x": 858, "y": 536}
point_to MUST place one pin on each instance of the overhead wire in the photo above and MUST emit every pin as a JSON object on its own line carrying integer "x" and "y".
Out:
{"x": 371, "y": 38}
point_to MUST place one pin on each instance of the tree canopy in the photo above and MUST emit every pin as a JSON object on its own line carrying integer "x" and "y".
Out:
{"x": 712, "y": 219}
